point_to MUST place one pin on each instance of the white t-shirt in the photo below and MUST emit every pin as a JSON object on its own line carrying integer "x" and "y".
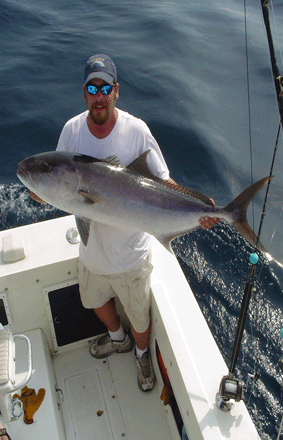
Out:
{"x": 109, "y": 249}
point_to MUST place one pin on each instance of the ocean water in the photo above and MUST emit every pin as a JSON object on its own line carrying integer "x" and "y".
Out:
{"x": 183, "y": 68}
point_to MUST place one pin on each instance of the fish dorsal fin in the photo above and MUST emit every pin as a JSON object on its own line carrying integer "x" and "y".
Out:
{"x": 83, "y": 158}
{"x": 139, "y": 166}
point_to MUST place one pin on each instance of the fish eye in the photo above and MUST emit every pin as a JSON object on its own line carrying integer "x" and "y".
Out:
{"x": 44, "y": 167}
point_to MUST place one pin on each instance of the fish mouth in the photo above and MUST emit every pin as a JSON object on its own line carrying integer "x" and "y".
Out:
{"x": 20, "y": 171}
{"x": 24, "y": 175}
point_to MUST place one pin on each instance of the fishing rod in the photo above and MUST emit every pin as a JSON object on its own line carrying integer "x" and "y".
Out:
{"x": 278, "y": 80}
{"x": 231, "y": 387}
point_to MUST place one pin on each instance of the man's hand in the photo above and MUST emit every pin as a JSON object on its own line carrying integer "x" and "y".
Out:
{"x": 36, "y": 198}
{"x": 207, "y": 222}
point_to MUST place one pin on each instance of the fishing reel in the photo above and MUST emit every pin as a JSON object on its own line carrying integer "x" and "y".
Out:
{"x": 230, "y": 388}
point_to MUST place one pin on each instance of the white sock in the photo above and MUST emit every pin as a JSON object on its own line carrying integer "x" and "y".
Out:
{"x": 118, "y": 336}
{"x": 139, "y": 352}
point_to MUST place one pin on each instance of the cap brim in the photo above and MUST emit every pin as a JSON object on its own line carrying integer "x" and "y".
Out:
{"x": 101, "y": 75}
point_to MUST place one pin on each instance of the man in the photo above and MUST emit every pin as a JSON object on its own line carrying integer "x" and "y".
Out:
{"x": 115, "y": 261}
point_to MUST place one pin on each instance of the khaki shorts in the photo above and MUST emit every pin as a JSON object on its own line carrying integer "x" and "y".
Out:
{"x": 132, "y": 288}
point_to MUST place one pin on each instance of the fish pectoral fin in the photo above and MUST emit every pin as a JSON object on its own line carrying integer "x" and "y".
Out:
{"x": 90, "y": 198}
{"x": 83, "y": 225}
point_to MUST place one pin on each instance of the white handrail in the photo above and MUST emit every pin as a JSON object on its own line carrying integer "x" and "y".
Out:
{"x": 29, "y": 373}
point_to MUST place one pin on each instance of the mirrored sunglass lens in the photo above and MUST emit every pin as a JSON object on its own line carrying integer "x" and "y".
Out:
{"x": 105, "y": 90}
{"x": 92, "y": 90}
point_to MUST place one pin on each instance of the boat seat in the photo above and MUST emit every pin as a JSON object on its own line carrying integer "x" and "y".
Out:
{"x": 8, "y": 385}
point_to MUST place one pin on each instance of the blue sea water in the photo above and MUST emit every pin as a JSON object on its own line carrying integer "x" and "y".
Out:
{"x": 183, "y": 68}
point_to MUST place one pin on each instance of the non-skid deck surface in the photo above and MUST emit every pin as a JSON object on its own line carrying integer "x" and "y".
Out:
{"x": 102, "y": 399}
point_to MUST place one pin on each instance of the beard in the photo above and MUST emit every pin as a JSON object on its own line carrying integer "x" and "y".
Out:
{"x": 99, "y": 118}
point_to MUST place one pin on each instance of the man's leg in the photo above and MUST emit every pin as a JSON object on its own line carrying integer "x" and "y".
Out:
{"x": 133, "y": 290}
{"x": 107, "y": 314}
{"x": 141, "y": 339}
{"x": 146, "y": 376}
{"x": 116, "y": 340}
{"x": 96, "y": 290}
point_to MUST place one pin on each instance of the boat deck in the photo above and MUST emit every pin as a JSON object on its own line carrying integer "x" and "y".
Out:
{"x": 99, "y": 399}
{"x": 104, "y": 401}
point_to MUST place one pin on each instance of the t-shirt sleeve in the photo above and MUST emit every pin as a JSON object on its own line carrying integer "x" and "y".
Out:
{"x": 63, "y": 139}
{"x": 155, "y": 159}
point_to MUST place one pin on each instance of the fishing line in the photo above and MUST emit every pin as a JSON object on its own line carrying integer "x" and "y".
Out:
{"x": 276, "y": 227}
{"x": 280, "y": 429}
{"x": 279, "y": 93}
{"x": 250, "y": 290}
{"x": 254, "y": 321}
{"x": 249, "y": 105}
{"x": 276, "y": 32}
{"x": 250, "y": 132}
{"x": 277, "y": 80}
{"x": 263, "y": 213}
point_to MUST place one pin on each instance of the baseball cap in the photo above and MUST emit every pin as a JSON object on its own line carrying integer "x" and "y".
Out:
{"x": 100, "y": 66}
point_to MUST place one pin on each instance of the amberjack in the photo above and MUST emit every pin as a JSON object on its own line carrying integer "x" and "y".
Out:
{"x": 130, "y": 198}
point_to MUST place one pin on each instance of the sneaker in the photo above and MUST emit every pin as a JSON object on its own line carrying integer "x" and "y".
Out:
{"x": 146, "y": 376}
{"x": 103, "y": 346}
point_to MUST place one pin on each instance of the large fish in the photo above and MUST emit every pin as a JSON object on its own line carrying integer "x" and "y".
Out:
{"x": 126, "y": 197}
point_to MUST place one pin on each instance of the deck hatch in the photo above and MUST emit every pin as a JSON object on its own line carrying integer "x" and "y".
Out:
{"x": 70, "y": 322}
{"x": 86, "y": 389}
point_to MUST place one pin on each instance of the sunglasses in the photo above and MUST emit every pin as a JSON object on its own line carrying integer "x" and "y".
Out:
{"x": 105, "y": 89}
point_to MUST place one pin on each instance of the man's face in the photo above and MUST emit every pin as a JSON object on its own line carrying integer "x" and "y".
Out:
{"x": 101, "y": 107}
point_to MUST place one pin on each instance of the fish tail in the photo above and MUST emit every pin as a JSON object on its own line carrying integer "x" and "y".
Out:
{"x": 239, "y": 208}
